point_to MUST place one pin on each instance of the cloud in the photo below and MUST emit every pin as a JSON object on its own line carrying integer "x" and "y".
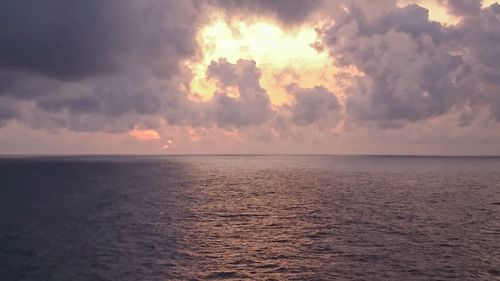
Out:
{"x": 88, "y": 38}
{"x": 288, "y": 12}
{"x": 312, "y": 105}
{"x": 412, "y": 68}
{"x": 462, "y": 7}
{"x": 98, "y": 61}
{"x": 251, "y": 107}
{"x": 144, "y": 135}
{"x": 479, "y": 37}
{"x": 7, "y": 110}
{"x": 109, "y": 66}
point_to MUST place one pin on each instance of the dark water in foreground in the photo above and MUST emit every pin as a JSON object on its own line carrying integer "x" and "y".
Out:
{"x": 250, "y": 217}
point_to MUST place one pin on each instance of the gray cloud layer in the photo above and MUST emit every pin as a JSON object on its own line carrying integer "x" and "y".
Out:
{"x": 97, "y": 60}
{"x": 74, "y": 40}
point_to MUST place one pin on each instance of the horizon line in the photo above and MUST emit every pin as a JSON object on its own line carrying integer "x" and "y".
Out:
{"x": 55, "y": 155}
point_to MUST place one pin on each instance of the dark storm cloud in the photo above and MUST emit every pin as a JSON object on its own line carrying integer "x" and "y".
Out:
{"x": 94, "y": 58}
{"x": 58, "y": 38}
{"x": 252, "y": 107}
{"x": 71, "y": 40}
{"x": 289, "y": 11}
{"x": 413, "y": 68}
{"x": 312, "y": 105}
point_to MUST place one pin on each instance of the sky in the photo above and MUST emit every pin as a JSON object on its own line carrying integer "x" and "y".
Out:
{"x": 250, "y": 76}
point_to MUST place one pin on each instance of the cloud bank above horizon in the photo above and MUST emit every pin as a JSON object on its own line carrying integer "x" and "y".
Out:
{"x": 241, "y": 76}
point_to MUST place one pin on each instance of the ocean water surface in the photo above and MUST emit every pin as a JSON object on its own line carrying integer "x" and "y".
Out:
{"x": 250, "y": 218}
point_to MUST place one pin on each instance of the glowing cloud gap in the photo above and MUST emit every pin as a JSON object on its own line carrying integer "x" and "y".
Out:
{"x": 144, "y": 135}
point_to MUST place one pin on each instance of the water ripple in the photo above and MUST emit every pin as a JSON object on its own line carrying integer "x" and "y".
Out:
{"x": 250, "y": 218}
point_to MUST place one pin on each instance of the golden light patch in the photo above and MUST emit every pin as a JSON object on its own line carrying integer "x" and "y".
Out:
{"x": 144, "y": 135}
{"x": 277, "y": 53}
{"x": 437, "y": 11}
{"x": 263, "y": 42}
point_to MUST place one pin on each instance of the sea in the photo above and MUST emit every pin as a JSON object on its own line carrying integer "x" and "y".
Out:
{"x": 249, "y": 217}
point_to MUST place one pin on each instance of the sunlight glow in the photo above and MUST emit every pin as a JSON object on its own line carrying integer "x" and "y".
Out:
{"x": 263, "y": 42}
{"x": 280, "y": 54}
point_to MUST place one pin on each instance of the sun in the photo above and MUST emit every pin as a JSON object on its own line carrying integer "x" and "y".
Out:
{"x": 283, "y": 56}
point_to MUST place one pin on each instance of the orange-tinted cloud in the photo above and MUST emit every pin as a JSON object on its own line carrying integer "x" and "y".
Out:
{"x": 144, "y": 135}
